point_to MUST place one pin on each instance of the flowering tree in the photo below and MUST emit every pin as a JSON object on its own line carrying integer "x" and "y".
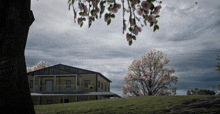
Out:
{"x": 38, "y": 66}
{"x": 143, "y": 11}
{"x": 147, "y": 77}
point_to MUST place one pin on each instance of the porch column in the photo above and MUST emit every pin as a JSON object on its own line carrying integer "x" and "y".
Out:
{"x": 33, "y": 84}
{"x": 38, "y": 99}
{"x": 59, "y": 99}
{"x": 55, "y": 83}
{"x": 76, "y": 98}
{"x": 63, "y": 99}
{"x": 89, "y": 98}
{"x": 76, "y": 83}
{"x": 39, "y": 82}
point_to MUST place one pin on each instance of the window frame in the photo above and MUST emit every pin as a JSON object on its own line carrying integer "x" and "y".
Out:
{"x": 49, "y": 101}
{"x": 31, "y": 83}
{"x": 68, "y": 85}
{"x": 87, "y": 82}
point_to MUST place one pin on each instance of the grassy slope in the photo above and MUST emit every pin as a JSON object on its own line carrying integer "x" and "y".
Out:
{"x": 142, "y": 104}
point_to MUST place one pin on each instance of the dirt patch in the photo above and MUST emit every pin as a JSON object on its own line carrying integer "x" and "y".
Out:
{"x": 208, "y": 105}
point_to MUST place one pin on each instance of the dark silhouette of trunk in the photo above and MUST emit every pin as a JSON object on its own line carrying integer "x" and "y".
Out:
{"x": 15, "y": 18}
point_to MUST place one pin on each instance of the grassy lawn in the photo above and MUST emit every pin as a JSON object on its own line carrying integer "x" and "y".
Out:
{"x": 132, "y": 105}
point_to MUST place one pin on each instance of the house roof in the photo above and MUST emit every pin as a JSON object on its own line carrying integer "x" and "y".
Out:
{"x": 58, "y": 66}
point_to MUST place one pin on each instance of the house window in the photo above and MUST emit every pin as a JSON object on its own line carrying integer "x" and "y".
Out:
{"x": 102, "y": 86}
{"x": 99, "y": 84}
{"x": 86, "y": 83}
{"x": 68, "y": 84}
{"x": 105, "y": 87}
{"x": 49, "y": 101}
{"x": 31, "y": 83}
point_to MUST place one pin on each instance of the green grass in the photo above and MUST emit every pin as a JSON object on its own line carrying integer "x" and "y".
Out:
{"x": 131, "y": 105}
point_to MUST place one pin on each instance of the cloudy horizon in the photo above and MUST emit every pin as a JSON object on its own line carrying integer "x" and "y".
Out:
{"x": 188, "y": 36}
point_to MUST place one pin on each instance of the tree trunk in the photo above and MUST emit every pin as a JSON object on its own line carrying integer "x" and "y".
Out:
{"x": 15, "y": 96}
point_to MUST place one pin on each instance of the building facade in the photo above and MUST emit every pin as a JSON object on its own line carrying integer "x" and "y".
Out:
{"x": 62, "y": 84}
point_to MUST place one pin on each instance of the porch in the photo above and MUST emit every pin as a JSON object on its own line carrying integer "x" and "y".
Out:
{"x": 56, "y": 88}
{"x": 62, "y": 95}
{"x": 51, "y": 87}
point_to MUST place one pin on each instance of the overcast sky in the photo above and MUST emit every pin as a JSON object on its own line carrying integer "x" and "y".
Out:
{"x": 188, "y": 36}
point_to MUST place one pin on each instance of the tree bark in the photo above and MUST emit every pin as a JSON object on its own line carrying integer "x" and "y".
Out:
{"x": 16, "y": 18}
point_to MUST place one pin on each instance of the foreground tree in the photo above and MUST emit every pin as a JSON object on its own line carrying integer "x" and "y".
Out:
{"x": 147, "y": 78}
{"x": 16, "y": 18}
